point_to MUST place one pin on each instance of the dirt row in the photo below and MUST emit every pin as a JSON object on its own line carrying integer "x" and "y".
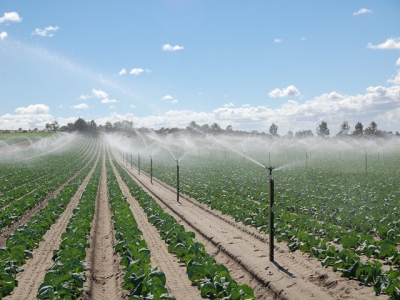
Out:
{"x": 293, "y": 275}
{"x": 35, "y": 269}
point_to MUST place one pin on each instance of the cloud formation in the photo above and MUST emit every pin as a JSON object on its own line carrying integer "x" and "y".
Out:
{"x": 169, "y": 98}
{"x": 378, "y": 103}
{"x": 396, "y": 79}
{"x": 99, "y": 94}
{"x": 122, "y": 72}
{"x": 10, "y": 17}
{"x": 398, "y": 62}
{"x": 168, "y": 47}
{"x": 3, "y": 35}
{"x": 33, "y": 109}
{"x": 109, "y": 101}
{"x": 48, "y": 31}
{"x": 278, "y": 40}
{"x": 80, "y": 106}
{"x": 286, "y": 92}
{"x": 362, "y": 11}
{"x": 391, "y": 43}
{"x": 136, "y": 71}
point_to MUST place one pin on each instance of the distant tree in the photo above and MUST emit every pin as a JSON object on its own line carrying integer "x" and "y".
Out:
{"x": 80, "y": 125}
{"x": 20, "y": 129}
{"x": 229, "y": 128}
{"x": 322, "y": 129}
{"x": 216, "y": 128}
{"x": 358, "y": 129}
{"x": 205, "y": 128}
{"x": 303, "y": 134}
{"x": 289, "y": 135}
{"x": 372, "y": 129}
{"x": 108, "y": 126}
{"x": 344, "y": 128}
{"x": 273, "y": 129}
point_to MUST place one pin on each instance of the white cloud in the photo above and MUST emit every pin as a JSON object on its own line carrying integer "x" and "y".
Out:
{"x": 80, "y": 106}
{"x": 83, "y": 97}
{"x": 362, "y": 11}
{"x": 229, "y": 105}
{"x": 148, "y": 70}
{"x": 391, "y": 43}
{"x": 109, "y": 101}
{"x": 48, "y": 31}
{"x": 286, "y": 92}
{"x": 122, "y": 72}
{"x": 167, "y": 97}
{"x": 377, "y": 103}
{"x": 302, "y": 39}
{"x": 3, "y": 35}
{"x": 168, "y": 47}
{"x": 99, "y": 94}
{"x": 136, "y": 71}
{"x": 174, "y": 101}
{"x": 398, "y": 62}
{"x": 132, "y": 106}
{"x": 10, "y": 17}
{"x": 396, "y": 79}
{"x": 278, "y": 40}
{"x": 33, "y": 109}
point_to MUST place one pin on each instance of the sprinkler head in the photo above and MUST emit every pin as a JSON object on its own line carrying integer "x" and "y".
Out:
{"x": 270, "y": 170}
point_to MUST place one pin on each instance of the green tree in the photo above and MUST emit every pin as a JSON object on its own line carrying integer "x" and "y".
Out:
{"x": 358, "y": 129}
{"x": 323, "y": 130}
{"x": 273, "y": 129}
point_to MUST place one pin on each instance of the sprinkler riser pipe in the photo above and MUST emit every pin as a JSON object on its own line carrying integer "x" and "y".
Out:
{"x": 177, "y": 182}
{"x": 271, "y": 219}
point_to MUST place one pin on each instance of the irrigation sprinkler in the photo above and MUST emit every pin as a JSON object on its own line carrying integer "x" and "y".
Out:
{"x": 366, "y": 164}
{"x": 177, "y": 181}
{"x": 306, "y": 160}
{"x": 271, "y": 215}
{"x": 151, "y": 169}
{"x": 138, "y": 163}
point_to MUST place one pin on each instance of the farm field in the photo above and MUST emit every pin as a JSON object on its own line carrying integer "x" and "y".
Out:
{"x": 99, "y": 219}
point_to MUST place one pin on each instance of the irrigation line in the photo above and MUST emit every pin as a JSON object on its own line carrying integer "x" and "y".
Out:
{"x": 276, "y": 292}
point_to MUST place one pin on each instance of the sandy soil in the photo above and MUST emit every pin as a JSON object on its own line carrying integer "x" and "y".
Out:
{"x": 177, "y": 283}
{"x": 105, "y": 276}
{"x": 35, "y": 269}
{"x": 293, "y": 275}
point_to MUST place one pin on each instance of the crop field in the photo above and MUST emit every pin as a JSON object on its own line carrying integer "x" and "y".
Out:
{"x": 101, "y": 218}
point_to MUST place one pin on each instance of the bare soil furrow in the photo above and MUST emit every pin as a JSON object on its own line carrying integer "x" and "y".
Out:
{"x": 177, "y": 283}
{"x": 36, "y": 268}
{"x": 105, "y": 277}
{"x": 293, "y": 275}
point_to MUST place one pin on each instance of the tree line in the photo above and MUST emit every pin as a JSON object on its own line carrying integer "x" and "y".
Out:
{"x": 90, "y": 128}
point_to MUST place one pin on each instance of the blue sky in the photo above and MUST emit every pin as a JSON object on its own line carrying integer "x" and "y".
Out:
{"x": 167, "y": 63}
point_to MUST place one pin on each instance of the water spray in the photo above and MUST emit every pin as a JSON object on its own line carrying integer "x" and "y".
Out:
{"x": 177, "y": 181}
{"x": 131, "y": 160}
{"x": 271, "y": 214}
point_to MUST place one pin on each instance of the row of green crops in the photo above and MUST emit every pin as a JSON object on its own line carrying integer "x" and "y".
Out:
{"x": 313, "y": 206}
{"x": 15, "y": 209}
{"x": 64, "y": 280}
{"x": 141, "y": 279}
{"x": 27, "y": 237}
{"x": 16, "y": 174}
{"x": 33, "y": 176}
{"x": 212, "y": 279}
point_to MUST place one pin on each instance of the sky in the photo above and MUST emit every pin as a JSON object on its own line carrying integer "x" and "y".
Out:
{"x": 166, "y": 63}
